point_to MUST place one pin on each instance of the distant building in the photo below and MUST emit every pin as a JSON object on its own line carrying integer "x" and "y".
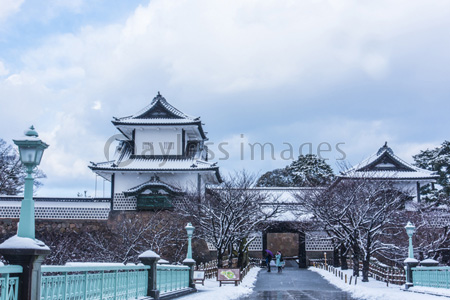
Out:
{"x": 162, "y": 153}
{"x": 385, "y": 165}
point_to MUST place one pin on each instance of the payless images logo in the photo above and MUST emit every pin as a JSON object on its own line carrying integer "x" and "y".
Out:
{"x": 252, "y": 151}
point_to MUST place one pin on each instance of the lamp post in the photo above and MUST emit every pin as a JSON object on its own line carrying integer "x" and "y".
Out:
{"x": 30, "y": 149}
{"x": 410, "y": 228}
{"x": 190, "y": 231}
{"x": 31, "y": 252}
{"x": 410, "y": 262}
{"x": 188, "y": 261}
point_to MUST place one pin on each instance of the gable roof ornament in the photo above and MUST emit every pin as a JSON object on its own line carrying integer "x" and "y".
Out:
{"x": 385, "y": 148}
{"x": 158, "y": 109}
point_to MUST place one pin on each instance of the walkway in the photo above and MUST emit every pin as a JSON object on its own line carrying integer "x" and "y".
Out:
{"x": 294, "y": 283}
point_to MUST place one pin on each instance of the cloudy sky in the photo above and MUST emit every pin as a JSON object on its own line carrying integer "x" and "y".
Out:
{"x": 284, "y": 72}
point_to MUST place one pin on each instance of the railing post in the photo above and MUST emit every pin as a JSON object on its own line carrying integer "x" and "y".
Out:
{"x": 30, "y": 260}
{"x": 150, "y": 258}
{"x": 190, "y": 263}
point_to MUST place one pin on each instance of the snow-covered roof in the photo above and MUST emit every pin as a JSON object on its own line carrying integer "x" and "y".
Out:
{"x": 285, "y": 199}
{"x": 159, "y": 111}
{"x": 386, "y": 165}
{"x": 285, "y": 195}
{"x": 47, "y": 204}
{"x": 156, "y": 164}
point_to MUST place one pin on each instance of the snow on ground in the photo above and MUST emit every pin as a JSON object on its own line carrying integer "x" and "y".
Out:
{"x": 211, "y": 289}
{"x": 377, "y": 290}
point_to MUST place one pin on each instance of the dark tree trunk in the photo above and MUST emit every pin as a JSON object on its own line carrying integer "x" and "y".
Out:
{"x": 343, "y": 253}
{"x": 366, "y": 260}
{"x": 219, "y": 259}
{"x": 365, "y": 269}
{"x": 356, "y": 253}
{"x": 336, "y": 258}
{"x": 230, "y": 256}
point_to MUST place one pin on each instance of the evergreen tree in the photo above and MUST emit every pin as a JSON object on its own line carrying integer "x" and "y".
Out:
{"x": 277, "y": 177}
{"x": 438, "y": 160}
{"x": 307, "y": 170}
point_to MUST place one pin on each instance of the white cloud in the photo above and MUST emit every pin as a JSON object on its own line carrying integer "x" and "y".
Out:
{"x": 97, "y": 105}
{"x": 9, "y": 7}
{"x": 3, "y": 70}
{"x": 234, "y": 46}
{"x": 375, "y": 65}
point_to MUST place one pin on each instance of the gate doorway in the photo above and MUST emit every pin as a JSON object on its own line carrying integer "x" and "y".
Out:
{"x": 286, "y": 242}
{"x": 286, "y": 237}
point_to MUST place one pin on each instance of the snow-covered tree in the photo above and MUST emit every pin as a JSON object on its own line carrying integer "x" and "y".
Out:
{"x": 437, "y": 159}
{"x": 229, "y": 214}
{"x": 357, "y": 214}
{"x": 12, "y": 172}
{"x": 310, "y": 170}
{"x": 276, "y": 178}
{"x": 307, "y": 170}
{"x": 121, "y": 239}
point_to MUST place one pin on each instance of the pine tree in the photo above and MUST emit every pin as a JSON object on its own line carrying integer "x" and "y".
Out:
{"x": 277, "y": 177}
{"x": 438, "y": 160}
{"x": 310, "y": 170}
{"x": 307, "y": 170}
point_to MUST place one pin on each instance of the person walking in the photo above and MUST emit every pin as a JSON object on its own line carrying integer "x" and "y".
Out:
{"x": 279, "y": 261}
{"x": 269, "y": 256}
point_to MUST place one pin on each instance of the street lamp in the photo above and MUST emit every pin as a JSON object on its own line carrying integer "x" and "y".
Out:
{"x": 190, "y": 230}
{"x": 410, "y": 228}
{"x": 31, "y": 149}
{"x": 410, "y": 262}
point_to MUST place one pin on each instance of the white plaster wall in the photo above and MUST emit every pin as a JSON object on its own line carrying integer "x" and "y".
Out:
{"x": 158, "y": 137}
{"x": 410, "y": 187}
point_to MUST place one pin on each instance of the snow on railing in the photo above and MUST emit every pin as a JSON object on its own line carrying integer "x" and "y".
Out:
{"x": 9, "y": 286}
{"x": 94, "y": 282}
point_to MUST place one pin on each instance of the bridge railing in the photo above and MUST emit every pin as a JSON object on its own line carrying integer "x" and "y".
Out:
{"x": 9, "y": 285}
{"x": 93, "y": 282}
{"x": 437, "y": 277}
{"x": 171, "y": 278}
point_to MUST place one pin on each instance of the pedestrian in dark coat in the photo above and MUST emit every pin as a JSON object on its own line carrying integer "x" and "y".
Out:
{"x": 268, "y": 259}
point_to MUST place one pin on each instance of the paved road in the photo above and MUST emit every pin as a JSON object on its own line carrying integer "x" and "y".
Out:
{"x": 294, "y": 283}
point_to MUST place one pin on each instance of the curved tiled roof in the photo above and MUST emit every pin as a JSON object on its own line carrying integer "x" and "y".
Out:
{"x": 159, "y": 111}
{"x": 386, "y": 165}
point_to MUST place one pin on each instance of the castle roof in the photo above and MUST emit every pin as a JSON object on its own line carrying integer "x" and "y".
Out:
{"x": 386, "y": 165}
{"x": 158, "y": 113}
{"x": 160, "y": 165}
